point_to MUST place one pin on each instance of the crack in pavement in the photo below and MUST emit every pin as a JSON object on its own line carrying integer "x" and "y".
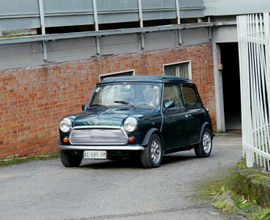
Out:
{"x": 136, "y": 214}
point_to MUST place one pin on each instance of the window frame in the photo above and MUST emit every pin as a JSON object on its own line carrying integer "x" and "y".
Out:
{"x": 115, "y": 73}
{"x": 180, "y": 95}
{"x": 176, "y": 63}
{"x": 196, "y": 93}
{"x": 90, "y": 102}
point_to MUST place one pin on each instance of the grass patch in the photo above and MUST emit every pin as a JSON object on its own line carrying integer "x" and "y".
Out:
{"x": 254, "y": 173}
{"x": 261, "y": 214}
{"x": 221, "y": 187}
{"x": 17, "y": 35}
{"x": 237, "y": 132}
{"x": 214, "y": 184}
{"x": 242, "y": 203}
{"x": 219, "y": 132}
{"x": 19, "y": 160}
{"x": 237, "y": 204}
{"x": 220, "y": 204}
{"x": 228, "y": 197}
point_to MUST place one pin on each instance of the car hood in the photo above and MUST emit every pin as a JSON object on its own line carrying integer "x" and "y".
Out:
{"x": 102, "y": 116}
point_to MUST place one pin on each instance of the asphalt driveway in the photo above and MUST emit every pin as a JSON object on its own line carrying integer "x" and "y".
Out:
{"x": 116, "y": 189}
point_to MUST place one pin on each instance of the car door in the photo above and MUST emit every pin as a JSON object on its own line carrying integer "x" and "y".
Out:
{"x": 195, "y": 113}
{"x": 174, "y": 121}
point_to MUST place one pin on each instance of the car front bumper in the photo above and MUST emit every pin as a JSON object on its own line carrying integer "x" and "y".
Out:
{"x": 82, "y": 147}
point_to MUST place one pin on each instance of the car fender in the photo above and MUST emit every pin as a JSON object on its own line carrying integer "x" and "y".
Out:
{"x": 203, "y": 126}
{"x": 149, "y": 134}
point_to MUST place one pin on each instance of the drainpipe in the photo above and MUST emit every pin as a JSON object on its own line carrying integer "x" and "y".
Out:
{"x": 178, "y": 22}
{"x": 210, "y": 30}
{"x": 141, "y": 22}
{"x": 96, "y": 25}
{"x": 43, "y": 31}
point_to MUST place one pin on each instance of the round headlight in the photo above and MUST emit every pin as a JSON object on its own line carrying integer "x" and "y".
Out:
{"x": 130, "y": 124}
{"x": 65, "y": 125}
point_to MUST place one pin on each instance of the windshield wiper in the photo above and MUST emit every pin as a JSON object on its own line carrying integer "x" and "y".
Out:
{"x": 97, "y": 105}
{"x": 126, "y": 103}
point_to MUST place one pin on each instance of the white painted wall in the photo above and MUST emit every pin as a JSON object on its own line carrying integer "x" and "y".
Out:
{"x": 222, "y": 34}
{"x": 235, "y": 7}
{"x": 31, "y": 54}
{"x": 225, "y": 34}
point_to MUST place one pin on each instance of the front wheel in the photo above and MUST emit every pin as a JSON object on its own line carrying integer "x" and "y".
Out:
{"x": 204, "y": 148}
{"x": 152, "y": 155}
{"x": 69, "y": 160}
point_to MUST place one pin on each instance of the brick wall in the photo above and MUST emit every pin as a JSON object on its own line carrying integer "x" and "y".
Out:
{"x": 34, "y": 99}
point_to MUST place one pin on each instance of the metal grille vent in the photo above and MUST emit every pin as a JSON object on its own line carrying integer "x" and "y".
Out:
{"x": 98, "y": 137}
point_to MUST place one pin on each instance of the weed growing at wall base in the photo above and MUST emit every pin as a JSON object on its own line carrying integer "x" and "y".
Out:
{"x": 223, "y": 190}
{"x": 242, "y": 206}
{"x": 229, "y": 197}
{"x": 219, "y": 132}
{"x": 19, "y": 160}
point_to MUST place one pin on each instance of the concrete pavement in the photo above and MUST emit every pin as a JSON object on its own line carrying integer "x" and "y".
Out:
{"x": 116, "y": 189}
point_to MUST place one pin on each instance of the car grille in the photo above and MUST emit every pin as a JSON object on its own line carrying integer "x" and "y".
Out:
{"x": 98, "y": 136}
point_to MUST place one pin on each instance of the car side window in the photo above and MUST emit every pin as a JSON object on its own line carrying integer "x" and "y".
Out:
{"x": 172, "y": 94}
{"x": 190, "y": 97}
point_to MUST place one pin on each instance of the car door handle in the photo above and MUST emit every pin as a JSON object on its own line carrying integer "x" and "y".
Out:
{"x": 187, "y": 115}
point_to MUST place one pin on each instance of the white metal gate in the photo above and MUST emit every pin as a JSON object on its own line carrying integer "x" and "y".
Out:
{"x": 254, "y": 58}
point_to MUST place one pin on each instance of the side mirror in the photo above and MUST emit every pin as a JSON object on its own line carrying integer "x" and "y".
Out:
{"x": 170, "y": 104}
{"x": 83, "y": 107}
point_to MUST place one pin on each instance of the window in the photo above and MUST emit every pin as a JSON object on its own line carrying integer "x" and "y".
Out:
{"x": 190, "y": 97}
{"x": 143, "y": 95}
{"x": 123, "y": 73}
{"x": 178, "y": 69}
{"x": 172, "y": 93}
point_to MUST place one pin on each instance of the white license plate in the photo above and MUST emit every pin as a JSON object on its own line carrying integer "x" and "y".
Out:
{"x": 95, "y": 154}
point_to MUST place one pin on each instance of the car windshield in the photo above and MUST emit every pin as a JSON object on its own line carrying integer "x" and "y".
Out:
{"x": 137, "y": 95}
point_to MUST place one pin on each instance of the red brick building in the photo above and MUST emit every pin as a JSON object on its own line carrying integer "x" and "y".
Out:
{"x": 50, "y": 75}
{"x": 34, "y": 99}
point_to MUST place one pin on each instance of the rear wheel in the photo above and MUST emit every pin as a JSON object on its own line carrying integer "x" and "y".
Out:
{"x": 204, "y": 148}
{"x": 152, "y": 155}
{"x": 69, "y": 160}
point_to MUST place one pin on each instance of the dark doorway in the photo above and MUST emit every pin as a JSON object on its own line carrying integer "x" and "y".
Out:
{"x": 231, "y": 86}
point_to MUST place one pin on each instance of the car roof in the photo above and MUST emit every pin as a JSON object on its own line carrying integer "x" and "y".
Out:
{"x": 145, "y": 78}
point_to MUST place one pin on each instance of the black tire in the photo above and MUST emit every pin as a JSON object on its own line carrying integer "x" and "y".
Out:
{"x": 151, "y": 157}
{"x": 204, "y": 148}
{"x": 69, "y": 160}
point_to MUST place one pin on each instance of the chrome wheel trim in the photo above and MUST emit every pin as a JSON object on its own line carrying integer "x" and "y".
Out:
{"x": 155, "y": 151}
{"x": 206, "y": 142}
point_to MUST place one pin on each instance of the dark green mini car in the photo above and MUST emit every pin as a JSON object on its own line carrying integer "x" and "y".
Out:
{"x": 140, "y": 116}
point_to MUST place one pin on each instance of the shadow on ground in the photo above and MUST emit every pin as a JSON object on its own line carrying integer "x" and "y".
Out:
{"x": 134, "y": 163}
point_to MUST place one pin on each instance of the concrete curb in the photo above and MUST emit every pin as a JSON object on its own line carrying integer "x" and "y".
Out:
{"x": 254, "y": 183}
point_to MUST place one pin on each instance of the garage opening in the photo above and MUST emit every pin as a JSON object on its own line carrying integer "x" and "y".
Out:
{"x": 231, "y": 86}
